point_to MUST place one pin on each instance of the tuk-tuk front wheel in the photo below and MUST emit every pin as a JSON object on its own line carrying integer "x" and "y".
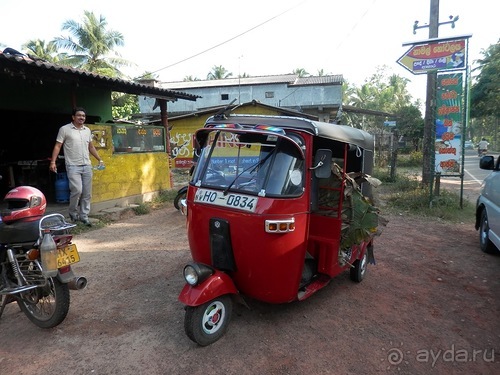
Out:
{"x": 358, "y": 270}
{"x": 207, "y": 323}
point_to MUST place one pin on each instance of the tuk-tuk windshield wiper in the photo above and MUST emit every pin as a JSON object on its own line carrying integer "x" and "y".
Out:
{"x": 252, "y": 167}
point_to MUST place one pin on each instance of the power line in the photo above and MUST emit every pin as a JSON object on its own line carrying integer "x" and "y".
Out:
{"x": 228, "y": 40}
{"x": 358, "y": 22}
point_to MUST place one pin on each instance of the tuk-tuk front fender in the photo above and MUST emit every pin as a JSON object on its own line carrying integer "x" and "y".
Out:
{"x": 215, "y": 286}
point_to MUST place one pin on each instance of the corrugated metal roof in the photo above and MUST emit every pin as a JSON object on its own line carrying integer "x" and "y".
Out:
{"x": 336, "y": 79}
{"x": 289, "y": 79}
{"x": 28, "y": 68}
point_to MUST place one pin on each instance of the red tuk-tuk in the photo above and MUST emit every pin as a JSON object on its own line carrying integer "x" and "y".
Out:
{"x": 274, "y": 211}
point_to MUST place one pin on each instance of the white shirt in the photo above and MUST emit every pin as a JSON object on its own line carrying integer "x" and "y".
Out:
{"x": 483, "y": 145}
{"x": 75, "y": 144}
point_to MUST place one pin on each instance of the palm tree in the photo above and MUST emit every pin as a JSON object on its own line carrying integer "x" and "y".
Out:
{"x": 91, "y": 45}
{"x": 301, "y": 72}
{"x": 219, "y": 72}
{"x": 190, "y": 79}
{"x": 46, "y": 51}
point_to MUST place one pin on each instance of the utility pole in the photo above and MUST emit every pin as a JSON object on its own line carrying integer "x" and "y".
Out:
{"x": 430, "y": 106}
{"x": 428, "y": 166}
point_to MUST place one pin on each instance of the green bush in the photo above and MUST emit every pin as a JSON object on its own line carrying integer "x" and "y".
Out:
{"x": 407, "y": 195}
{"x": 413, "y": 159}
{"x": 142, "y": 209}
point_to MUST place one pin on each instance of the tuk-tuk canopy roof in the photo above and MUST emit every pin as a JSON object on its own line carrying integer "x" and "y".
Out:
{"x": 341, "y": 133}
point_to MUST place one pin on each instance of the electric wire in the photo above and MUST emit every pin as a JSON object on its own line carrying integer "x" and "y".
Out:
{"x": 226, "y": 41}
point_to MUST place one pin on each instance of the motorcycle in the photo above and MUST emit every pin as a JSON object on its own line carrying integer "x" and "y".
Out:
{"x": 36, "y": 254}
{"x": 481, "y": 152}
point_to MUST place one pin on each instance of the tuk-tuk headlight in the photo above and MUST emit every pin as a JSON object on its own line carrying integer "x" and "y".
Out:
{"x": 190, "y": 275}
{"x": 196, "y": 273}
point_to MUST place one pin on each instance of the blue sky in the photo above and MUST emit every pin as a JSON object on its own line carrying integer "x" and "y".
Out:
{"x": 351, "y": 38}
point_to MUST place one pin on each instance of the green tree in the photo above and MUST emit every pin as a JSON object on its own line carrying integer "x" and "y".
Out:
{"x": 410, "y": 124}
{"x": 485, "y": 98}
{"x": 91, "y": 45}
{"x": 42, "y": 50}
{"x": 301, "y": 72}
{"x": 218, "y": 72}
{"x": 383, "y": 91}
{"x": 124, "y": 105}
{"x": 190, "y": 79}
{"x": 485, "y": 93}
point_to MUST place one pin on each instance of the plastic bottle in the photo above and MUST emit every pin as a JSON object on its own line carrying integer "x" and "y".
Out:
{"x": 99, "y": 167}
{"x": 48, "y": 254}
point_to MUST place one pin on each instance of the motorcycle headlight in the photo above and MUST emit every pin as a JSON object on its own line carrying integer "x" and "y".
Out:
{"x": 195, "y": 273}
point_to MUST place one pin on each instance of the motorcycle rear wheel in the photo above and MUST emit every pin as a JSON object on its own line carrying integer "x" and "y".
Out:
{"x": 46, "y": 306}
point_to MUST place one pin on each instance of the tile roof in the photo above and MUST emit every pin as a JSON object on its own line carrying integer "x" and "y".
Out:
{"x": 25, "y": 67}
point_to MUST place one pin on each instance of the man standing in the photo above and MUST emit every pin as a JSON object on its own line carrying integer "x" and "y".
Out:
{"x": 76, "y": 140}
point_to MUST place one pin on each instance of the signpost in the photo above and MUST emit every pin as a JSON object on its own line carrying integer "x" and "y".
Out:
{"x": 438, "y": 55}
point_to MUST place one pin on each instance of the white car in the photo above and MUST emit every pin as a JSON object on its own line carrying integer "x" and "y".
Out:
{"x": 488, "y": 206}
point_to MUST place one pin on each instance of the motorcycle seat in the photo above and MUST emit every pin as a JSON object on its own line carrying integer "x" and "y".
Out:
{"x": 19, "y": 232}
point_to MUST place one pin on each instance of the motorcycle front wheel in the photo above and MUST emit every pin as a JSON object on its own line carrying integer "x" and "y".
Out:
{"x": 46, "y": 306}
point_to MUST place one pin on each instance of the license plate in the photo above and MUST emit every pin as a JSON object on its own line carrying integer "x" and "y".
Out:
{"x": 67, "y": 255}
{"x": 238, "y": 201}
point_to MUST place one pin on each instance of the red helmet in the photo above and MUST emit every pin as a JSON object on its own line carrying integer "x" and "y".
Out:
{"x": 23, "y": 202}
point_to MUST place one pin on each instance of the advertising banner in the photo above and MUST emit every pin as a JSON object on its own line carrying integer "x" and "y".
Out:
{"x": 441, "y": 56}
{"x": 449, "y": 118}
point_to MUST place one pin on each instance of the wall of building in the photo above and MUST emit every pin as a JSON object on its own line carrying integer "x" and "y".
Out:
{"x": 183, "y": 130}
{"x": 277, "y": 95}
{"x": 128, "y": 178}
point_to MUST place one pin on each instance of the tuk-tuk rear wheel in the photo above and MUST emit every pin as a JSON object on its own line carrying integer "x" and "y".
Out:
{"x": 358, "y": 271}
{"x": 207, "y": 323}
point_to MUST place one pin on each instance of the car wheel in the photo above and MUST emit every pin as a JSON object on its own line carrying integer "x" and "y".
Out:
{"x": 484, "y": 240}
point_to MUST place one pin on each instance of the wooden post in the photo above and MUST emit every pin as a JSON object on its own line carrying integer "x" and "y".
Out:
{"x": 164, "y": 122}
{"x": 438, "y": 184}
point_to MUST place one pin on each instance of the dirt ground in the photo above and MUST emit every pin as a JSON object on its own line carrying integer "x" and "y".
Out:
{"x": 429, "y": 306}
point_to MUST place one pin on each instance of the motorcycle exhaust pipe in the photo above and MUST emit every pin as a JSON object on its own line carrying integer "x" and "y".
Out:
{"x": 78, "y": 283}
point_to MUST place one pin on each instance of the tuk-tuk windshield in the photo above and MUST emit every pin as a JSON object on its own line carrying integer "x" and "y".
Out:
{"x": 254, "y": 163}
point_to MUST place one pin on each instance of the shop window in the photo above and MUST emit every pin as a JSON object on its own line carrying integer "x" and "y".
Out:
{"x": 131, "y": 139}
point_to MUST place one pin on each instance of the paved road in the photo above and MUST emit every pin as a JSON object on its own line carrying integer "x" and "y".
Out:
{"x": 473, "y": 178}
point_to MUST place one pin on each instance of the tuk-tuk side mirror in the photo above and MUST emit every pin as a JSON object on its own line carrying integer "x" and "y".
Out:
{"x": 487, "y": 162}
{"x": 322, "y": 163}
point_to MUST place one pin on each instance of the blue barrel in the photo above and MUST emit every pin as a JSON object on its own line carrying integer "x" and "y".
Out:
{"x": 62, "y": 188}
